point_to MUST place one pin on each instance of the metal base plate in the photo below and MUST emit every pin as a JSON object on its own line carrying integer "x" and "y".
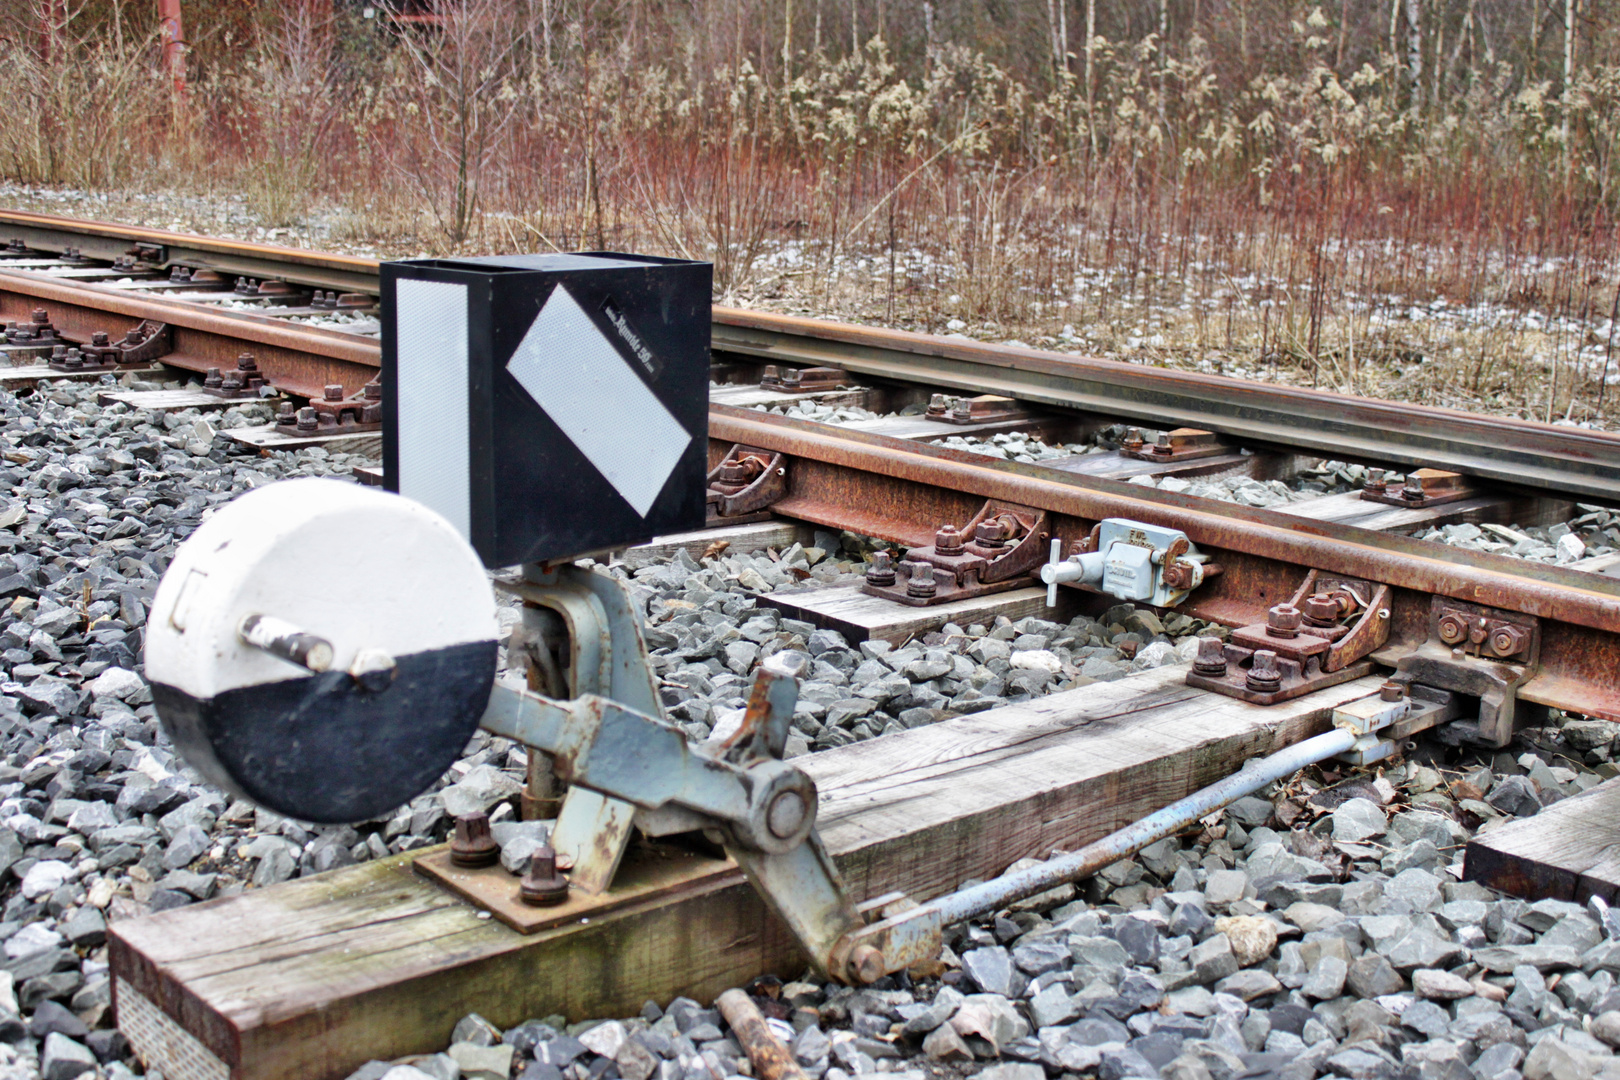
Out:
{"x": 1232, "y": 685}
{"x": 648, "y": 871}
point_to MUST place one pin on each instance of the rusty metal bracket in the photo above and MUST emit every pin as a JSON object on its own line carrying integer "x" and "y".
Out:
{"x": 1180, "y": 444}
{"x": 810, "y": 380}
{"x": 242, "y": 381}
{"x": 334, "y": 414}
{"x": 745, "y": 483}
{"x": 1319, "y": 638}
{"x": 984, "y": 409}
{"x": 1423, "y": 487}
{"x": 997, "y": 550}
{"x": 1485, "y": 653}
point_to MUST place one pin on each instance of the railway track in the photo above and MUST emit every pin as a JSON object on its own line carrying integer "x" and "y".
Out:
{"x": 1500, "y": 638}
{"x": 883, "y": 477}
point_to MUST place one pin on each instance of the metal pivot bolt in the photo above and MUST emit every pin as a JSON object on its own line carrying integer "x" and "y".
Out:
{"x": 543, "y": 884}
{"x": 922, "y": 583}
{"x": 1283, "y": 621}
{"x": 1211, "y": 658}
{"x": 785, "y": 816}
{"x": 1391, "y": 691}
{"x": 473, "y": 845}
{"x": 881, "y": 571}
{"x": 1264, "y": 677}
{"x": 282, "y": 639}
{"x": 948, "y": 540}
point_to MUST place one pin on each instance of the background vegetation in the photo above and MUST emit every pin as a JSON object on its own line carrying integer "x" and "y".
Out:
{"x": 1392, "y": 196}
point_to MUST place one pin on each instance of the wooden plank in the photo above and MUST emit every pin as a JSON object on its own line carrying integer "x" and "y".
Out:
{"x": 29, "y": 376}
{"x": 861, "y": 617}
{"x": 1608, "y": 565}
{"x": 1568, "y": 851}
{"x": 310, "y": 978}
{"x": 921, "y": 427}
{"x": 751, "y": 395}
{"x": 739, "y": 538}
{"x": 1349, "y": 508}
{"x": 171, "y": 399}
{"x": 266, "y": 437}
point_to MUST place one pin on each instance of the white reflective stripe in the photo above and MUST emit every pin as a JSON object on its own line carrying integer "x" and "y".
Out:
{"x": 430, "y": 326}
{"x": 584, "y": 384}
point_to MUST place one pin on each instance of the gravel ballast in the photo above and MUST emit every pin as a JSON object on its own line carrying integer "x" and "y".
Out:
{"x": 1319, "y": 930}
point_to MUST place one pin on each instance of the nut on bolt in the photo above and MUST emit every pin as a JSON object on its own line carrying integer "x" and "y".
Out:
{"x": 1264, "y": 677}
{"x": 1283, "y": 621}
{"x": 948, "y": 540}
{"x": 1211, "y": 658}
{"x": 1507, "y": 639}
{"x": 473, "y": 845}
{"x": 543, "y": 884}
{"x": 922, "y": 584}
{"x": 1453, "y": 627}
{"x": 881, "y": 571}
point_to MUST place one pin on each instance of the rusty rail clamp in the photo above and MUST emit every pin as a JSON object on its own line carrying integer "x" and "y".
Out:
{"x": 243, "y": 381}
{"x": 745, "y": 483}
{"x": 796, "y": 380}
{"x": 1422, "y": 487}
{"x": 1484, "y": 653}
{"x": 1180, "y": 444}
{"x": 999, "y": 549}
{"x": 983, "y": 409}
{"x": 335, "y": 414}
{"x": 1319, "y": 638}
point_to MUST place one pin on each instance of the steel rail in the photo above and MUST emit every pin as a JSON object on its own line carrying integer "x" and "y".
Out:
{"x": 237, "y": 258}
{"x": 295, "y": 358}
{"x": 1569, "y": 460}
{"x": 902, "y": 491}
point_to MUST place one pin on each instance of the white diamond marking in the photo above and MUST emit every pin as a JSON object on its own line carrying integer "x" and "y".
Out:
{"x": 584, "y": 384}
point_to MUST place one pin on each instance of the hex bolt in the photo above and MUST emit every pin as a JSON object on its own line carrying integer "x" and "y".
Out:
{"x": 1453, "y": 627}
{"x": 1507, "y": 639}
{"x": 1391, "y": 691}
{"x": 308, "y": 419}
{"x": 543, "y": 884}
{"x": 246, "y": 362}
{"x": 1264, "y": 677}
{"x": 785, "y": 816}
{"x": 286, "y": 414}
{"x": 792, "y": 377}
{"x": 1211, "y": 658}
{"x": 881, "y": 572}
{"x": 1320, "y": 610}
{"x": 134, "y": 336}
{"x": 921, "y": 584}
{"x": 990, "y": 534}
{"x": 1375, "y": 480}
{"x": 58, "y": 352}
{"x": 212, "y": 380}
{"x": 333, "y": 392}
{"x": 1283, "y": 621}
{"x": 100, "y": 338}
{"x": 473, "y": 845}
{"x": 1133, "y": 440}
{"x": 73, "y": 359}
{"x": 771, "y": 374}
{"x": 372, "y": 390}
{"x": 938, "y": 403}
{"x": 948, "y": 540}
{"x": 232, "y": 381}
{"x": 41, "y": 316}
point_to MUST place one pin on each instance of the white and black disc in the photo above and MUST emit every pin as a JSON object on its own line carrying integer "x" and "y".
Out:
{"x": 394, "y": 590}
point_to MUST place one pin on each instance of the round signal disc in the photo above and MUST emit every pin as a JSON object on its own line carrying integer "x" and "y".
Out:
{"x": 378, "y": 577}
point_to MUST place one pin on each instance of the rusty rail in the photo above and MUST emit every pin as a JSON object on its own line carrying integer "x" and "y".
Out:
{"x": 1571, "y": 461}
{"x": 901, "y": 491}
{"x": 298, "y": 359}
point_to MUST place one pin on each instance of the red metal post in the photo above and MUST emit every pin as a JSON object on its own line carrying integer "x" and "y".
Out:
{"x": 174, "y": 45}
